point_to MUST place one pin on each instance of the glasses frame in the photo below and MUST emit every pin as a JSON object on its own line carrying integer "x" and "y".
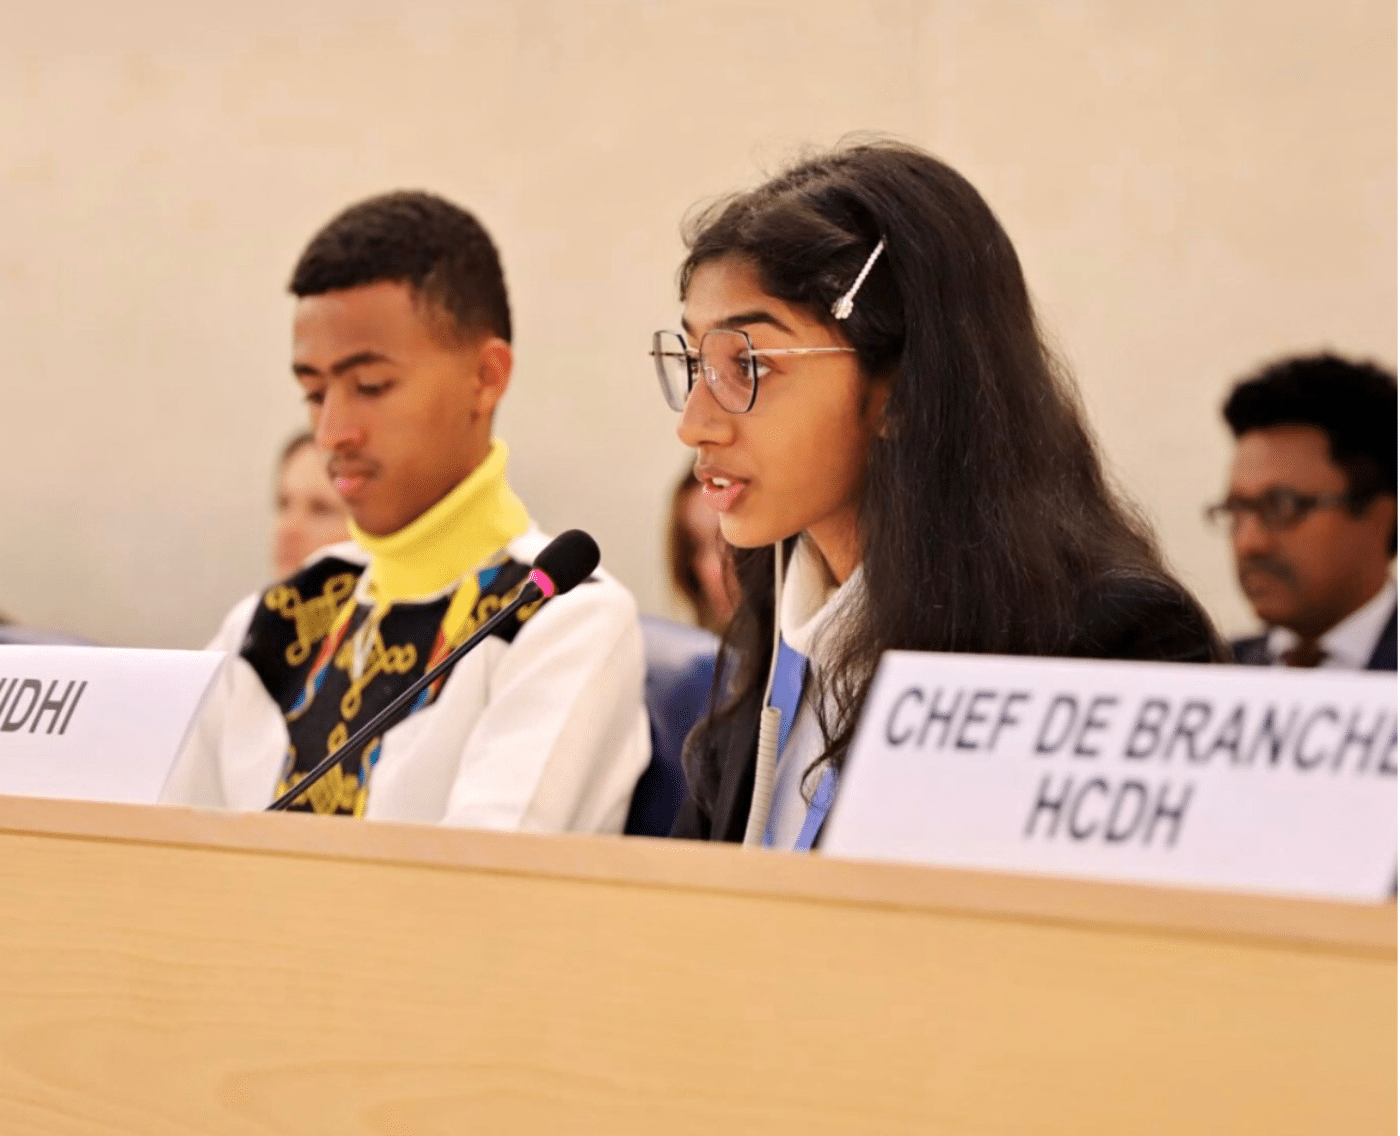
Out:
{"x": 692, "y": 357}
{"x": 1304, "y": 505}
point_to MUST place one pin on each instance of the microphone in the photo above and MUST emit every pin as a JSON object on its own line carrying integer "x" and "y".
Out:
{"x": 563, "y": 564}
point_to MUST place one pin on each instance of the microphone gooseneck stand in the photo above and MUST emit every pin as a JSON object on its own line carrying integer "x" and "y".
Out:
{"x": 531, "y": 592}
{"x": 563, "y": 564}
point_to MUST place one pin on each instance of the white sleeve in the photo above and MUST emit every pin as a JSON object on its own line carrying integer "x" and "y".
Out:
{"x": 194, "y": 779}
{"x": 563, "y": 737}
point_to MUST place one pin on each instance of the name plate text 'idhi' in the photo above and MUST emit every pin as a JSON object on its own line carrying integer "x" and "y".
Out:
{"x": 96, "y": 723}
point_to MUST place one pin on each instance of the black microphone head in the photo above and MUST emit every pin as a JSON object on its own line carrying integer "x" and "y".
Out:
{"x": 565, "y": 562}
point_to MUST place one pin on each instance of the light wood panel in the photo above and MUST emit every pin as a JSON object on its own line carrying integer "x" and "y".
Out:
{"x": 164, "y": 971}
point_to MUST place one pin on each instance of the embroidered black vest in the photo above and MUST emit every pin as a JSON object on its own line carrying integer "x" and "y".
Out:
{"x": 329, "y": 668}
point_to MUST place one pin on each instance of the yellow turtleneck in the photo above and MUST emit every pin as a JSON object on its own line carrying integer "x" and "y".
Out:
{"x": 478, "y": 518}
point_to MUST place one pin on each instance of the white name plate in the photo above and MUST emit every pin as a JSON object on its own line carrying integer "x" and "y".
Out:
{"x": 96, "y": 723}
{"x": 1237, "y": 778}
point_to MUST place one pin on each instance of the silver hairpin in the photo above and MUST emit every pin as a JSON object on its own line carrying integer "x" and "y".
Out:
{"x": 844, "y": 306}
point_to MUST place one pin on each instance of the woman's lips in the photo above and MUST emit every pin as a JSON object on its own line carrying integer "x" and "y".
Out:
{"x": 721, "y": 493}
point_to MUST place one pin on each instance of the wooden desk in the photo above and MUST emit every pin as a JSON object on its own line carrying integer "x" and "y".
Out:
{"x": 170, "y": 972}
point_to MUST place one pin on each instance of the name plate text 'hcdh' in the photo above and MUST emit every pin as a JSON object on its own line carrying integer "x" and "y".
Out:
{"x": 1240, "y": 778}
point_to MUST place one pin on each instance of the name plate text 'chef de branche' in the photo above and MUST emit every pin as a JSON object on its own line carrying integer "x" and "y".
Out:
{"x": 1244, "y": 778}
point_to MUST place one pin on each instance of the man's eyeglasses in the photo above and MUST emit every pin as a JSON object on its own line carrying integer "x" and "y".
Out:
{"x": 1276, "y": 509}
{"x": 728, "y": 361}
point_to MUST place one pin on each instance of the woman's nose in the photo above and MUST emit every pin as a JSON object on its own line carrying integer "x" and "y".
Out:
{"x": 703, "y": 421}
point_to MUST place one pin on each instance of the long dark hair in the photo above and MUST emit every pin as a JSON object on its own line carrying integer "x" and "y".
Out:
{"x": 681, "y": 549}
{"x": 985, "y": 515}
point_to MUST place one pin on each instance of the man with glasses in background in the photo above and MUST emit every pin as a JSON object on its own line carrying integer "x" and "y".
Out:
{"x": 1311, "y": 512}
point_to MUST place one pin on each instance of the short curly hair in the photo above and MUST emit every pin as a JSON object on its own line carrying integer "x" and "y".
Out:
{"x": 1352, "y": 403}
{"x": 439, "y": 250}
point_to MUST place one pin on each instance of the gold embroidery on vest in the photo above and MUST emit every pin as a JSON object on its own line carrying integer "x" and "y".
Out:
{"x": 488, "y": 606}
{"x": 382, "y": 659}
{"x": 313, "y": 617}
{"x": 336, "y": 792}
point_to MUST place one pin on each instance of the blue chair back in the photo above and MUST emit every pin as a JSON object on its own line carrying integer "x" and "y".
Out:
{"x": 680, "y": 675}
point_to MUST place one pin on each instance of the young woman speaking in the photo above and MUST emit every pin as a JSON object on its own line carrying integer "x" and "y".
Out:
{"x": 898, "y": 464}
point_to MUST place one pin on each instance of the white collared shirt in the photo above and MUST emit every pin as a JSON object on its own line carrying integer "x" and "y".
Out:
{"x": 1351, "y": 643}
{"x": 544, "y": 733}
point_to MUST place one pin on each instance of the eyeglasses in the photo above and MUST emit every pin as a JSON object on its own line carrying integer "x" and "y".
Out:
{"x": 727, "y": 359}
{"x": 1276, "y": 509}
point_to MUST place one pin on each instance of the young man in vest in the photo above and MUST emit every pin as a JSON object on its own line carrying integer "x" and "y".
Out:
{"x": 401, "y": 344}
{"x": 1311, "y": 511}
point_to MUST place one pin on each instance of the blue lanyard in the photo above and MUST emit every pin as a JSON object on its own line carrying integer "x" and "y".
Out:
{"x": 817, "y": 810}
{"x": 789, "y": 677}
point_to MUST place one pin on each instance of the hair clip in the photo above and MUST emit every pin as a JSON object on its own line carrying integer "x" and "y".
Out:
{"x": 844, "y": 306}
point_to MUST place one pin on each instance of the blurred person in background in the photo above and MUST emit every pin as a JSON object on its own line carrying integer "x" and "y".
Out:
{"x": 699, "y": 560}
{"x": 309, "y": 514}
{"x": 1311, "y": 512}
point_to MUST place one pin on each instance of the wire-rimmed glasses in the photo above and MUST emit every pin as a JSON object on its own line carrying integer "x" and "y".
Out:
{"x": 728, "y": 360}
{"x": 1276, "y": 509}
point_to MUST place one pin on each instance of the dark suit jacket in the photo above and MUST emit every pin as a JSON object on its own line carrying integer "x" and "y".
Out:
{"x": 1122, "y": 618}
{"x": 1254, "y": 650}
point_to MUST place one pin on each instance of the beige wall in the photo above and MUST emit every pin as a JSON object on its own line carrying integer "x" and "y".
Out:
{"x": 1193, "y": 187}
